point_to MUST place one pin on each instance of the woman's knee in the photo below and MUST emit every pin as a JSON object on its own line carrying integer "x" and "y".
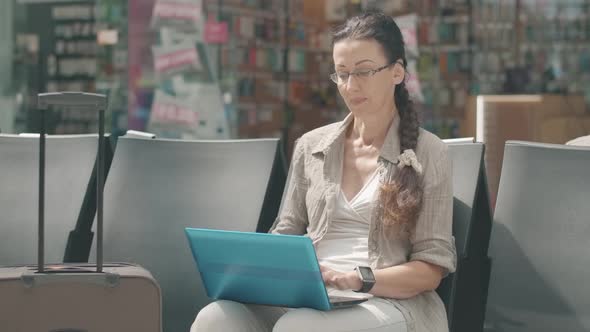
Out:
{"x": 298, "y": 320}
{"x": 374, "y": 315}
{"x": 221, "y": 315}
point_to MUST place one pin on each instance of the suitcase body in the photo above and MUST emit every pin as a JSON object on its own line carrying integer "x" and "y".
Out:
{"x": 121, "y": 298}
{"x": 77, "y": 297}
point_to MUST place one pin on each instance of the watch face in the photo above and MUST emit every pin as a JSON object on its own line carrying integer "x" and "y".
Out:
{"x": 366, "y": 273}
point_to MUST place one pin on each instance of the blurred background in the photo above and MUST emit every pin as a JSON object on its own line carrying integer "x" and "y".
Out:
{"x": 217, "y": 69}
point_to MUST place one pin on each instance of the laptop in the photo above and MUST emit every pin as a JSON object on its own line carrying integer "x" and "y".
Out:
{"x": 260, "y": 268}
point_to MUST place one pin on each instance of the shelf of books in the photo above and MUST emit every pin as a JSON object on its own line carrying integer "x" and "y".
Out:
{"x": 251, "y": 64}
{"x": 275, "y": 66}
{"x": 112, "y": 61}
{"x": 62, "y": 56}
{"x": 271, "y": 59}
{"x": 71, "y": 64}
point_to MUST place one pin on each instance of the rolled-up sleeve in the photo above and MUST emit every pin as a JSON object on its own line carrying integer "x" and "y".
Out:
{"x": 432, "y": 241}
{"x": 292, "y": 217}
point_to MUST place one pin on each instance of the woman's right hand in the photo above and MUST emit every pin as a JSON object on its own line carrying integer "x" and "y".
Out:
{"x": 341, "y": 280}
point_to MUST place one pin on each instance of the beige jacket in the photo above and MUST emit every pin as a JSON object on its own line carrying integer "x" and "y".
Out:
{"x": 309, "y": 198}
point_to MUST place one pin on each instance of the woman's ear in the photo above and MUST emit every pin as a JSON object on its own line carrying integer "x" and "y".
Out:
{"x": 399, "y": 73}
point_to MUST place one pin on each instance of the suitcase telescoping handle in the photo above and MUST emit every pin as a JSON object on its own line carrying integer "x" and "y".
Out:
{"x": 90, "y": 102}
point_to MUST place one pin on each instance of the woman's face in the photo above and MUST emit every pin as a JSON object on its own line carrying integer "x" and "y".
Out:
{"x": 369, "y": 91}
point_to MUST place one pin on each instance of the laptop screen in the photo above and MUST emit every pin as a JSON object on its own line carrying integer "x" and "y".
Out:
{"x": 259, "y": 268}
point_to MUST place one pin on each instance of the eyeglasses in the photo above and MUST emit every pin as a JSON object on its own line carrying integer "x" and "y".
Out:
{"x": 342, "y": 78}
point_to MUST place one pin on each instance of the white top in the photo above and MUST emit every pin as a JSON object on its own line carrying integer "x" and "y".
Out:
{"x": 345, "y": 244}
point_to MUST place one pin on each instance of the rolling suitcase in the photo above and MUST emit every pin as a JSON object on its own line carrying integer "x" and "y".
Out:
{"x": 77, "y": 297}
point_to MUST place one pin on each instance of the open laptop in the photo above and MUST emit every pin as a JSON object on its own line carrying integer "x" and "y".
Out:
{"x": 260, "y": 268}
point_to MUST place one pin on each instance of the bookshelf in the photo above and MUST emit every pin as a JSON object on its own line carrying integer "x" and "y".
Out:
{"x": 463, "y": 48}
{"x": 251, "y": 63}
{"x": 276, "y": 67}
{"x": 72, "y": 63}
{"x": 61, "y": 56}
{"x": 112, "y": 61}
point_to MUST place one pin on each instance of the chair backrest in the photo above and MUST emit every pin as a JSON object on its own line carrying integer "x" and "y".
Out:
{"x": 471, "y": 228}
{"x": 468, "y": 183}
{"x": 69, "y": 165}
{"x": 539, "y": 242}
{"x": 158, "y": 187}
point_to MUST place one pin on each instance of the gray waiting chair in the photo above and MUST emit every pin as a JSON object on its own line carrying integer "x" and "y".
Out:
{"x": 464, "y": 292}
{"x": 69, "y": 165}
{"x": 539, "y": 243}
{"x": 157, "y": 187}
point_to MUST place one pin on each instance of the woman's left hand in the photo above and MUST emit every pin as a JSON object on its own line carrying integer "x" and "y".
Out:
{"x": 341, "y": 280}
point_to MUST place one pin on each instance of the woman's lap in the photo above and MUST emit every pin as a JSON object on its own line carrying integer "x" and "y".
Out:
{"x": 374, "y": 315}
{"x": 225, "y": 315}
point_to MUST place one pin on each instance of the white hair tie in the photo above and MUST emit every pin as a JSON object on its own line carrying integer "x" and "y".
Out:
{"x": 408, "y": 158}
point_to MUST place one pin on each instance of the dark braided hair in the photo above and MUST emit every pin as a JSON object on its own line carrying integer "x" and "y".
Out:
{"x": 401, "y": 197}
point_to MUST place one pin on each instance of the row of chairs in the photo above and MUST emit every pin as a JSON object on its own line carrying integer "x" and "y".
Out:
{"x": 153, "y": 190}
{"x": 156, "y": 187}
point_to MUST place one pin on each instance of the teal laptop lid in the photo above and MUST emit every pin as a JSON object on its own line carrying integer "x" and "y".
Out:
{"x": 260, "y": 268}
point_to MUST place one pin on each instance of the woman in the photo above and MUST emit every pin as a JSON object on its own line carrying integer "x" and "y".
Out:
{"x": 373, "y": 192}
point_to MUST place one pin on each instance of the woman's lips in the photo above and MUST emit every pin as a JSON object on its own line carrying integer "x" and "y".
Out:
{"x": 357, "y": 101}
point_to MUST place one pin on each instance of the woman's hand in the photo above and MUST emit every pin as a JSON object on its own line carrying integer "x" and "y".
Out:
{"x": 341, "y": 280}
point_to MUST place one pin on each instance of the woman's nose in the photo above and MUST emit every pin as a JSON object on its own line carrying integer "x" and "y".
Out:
{"x": 351, "y": 83}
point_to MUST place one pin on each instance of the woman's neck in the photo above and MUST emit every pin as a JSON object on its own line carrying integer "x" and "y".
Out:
{"x": 371, "y": 129}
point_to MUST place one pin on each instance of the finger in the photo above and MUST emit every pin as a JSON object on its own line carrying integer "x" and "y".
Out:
{"x": 328, "y": 277}
{"x": 332, "y": 282}
{"x": 331, "y": 278}
{"x": 346, "y": 283}
{"x": 340, "y": 283}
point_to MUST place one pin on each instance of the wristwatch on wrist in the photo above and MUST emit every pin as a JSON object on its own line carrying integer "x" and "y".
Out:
{"x": 367, "y": 278}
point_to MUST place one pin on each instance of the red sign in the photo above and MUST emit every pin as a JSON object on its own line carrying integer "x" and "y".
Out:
{"x": 216, "y": 32}
{"x": 178, "y": 10}
{"x": 170, "y": 113}
{"x": 176, "y": 59}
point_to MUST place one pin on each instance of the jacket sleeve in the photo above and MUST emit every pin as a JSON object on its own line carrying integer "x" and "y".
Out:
{"x": 292, "y": 217}
{"x": 432, "y": 241}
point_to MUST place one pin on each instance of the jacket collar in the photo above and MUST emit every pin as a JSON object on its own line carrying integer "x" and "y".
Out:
{"x": 329, "y": 140}
{"x": 391, "y": 146}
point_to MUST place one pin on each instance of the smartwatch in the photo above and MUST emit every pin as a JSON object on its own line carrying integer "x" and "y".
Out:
{"x": 367, "y": 277}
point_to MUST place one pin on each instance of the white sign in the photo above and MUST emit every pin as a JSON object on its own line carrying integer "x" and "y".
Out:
{"x": 199, "y": 115}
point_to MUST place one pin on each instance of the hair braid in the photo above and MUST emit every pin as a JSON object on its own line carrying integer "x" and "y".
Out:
{"x": 402, "y": 197}
{"x": 409, "y": 122}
